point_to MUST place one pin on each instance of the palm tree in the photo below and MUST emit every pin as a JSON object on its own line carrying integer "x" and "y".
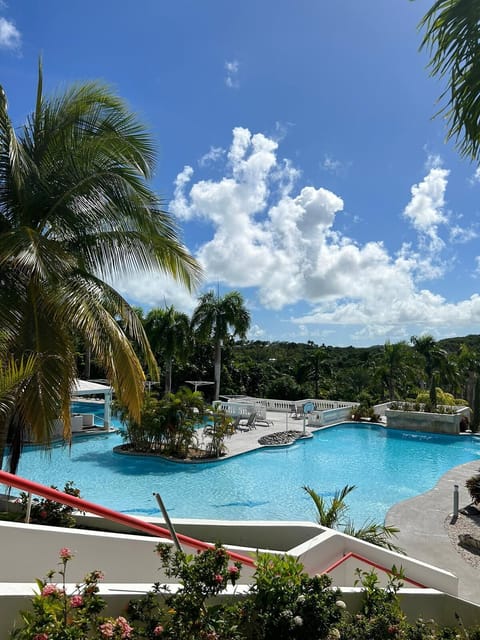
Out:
{"x": 452, "y": 36}
{"x": 76, "y": 211}
{"x": 434, "y": 357}
{"x": 332, "y": 514}
{"x": 316, "y": 362}
{"x": 169, "y": 335}
{"x": 393, "y": 367}
{"x": 216, "y": 318}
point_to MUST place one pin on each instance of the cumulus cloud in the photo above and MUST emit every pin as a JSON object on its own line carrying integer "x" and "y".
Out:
{"x": 231, "y": 79}
{"x": 283, "y": 240}
{"x": 260, "y": 228}
{"x": 425, "y": 209}
{"x": 10, "y": 37}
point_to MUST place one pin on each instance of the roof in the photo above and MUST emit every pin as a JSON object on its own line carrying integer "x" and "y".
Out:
{"x": 85, "y": 388}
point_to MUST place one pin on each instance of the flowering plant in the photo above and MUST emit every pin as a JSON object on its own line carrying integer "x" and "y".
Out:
{"x": 45, "y": 511}
{"x": 59, "y": 615}
{"x": 186, "y": 614}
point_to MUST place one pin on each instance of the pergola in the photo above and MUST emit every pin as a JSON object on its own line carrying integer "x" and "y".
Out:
{"x": 198, "y": 383}
{"x": 89, "y": 388}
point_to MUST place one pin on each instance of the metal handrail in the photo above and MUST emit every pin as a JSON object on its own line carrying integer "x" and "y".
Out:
{"x": 49, "y": 493}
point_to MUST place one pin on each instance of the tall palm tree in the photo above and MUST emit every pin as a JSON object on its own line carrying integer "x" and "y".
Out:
{"x": 435, "y": 358}
{"x": 169, "y": 334}
{"x": 394, "y": 367}
{"x": 76, "y": 211}
{"x": 218, "y": 317}
{"x": 316, "y": 362}
{"x": 452, "y": 36}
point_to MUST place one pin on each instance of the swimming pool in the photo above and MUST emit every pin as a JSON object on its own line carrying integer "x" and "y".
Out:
{"x": 386, "y": 466}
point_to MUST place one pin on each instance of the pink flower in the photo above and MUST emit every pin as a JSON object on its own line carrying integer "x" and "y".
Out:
{"x": 98, "y": 575}
{"x": 49, "y": 590}
{"x": 218, "y": 578}
{"x": 43, "y": 514}
{"x": 126, "y": 629}
{"x": 40, "y": 636}
{"x": 107, "y": 630}
{"x": 158, "y": 630}
{"x": 76, "y": 601}
{"x": 65, "y": 554}
{"x": 233, "y": 571}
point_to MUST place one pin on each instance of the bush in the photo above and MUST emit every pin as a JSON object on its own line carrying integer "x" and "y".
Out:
{"x": 45, "y": 511}
{"x": 284, "y": 603}
{"x": 473, "y": 486}
{"x": 58, "y": 615}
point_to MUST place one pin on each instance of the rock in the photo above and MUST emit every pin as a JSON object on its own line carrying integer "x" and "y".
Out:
{"x": 467, "y": 540}
{"x": 280, "y": 438}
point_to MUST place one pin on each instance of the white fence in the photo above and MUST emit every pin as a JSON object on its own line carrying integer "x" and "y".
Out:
{"x": 243, "y": 406}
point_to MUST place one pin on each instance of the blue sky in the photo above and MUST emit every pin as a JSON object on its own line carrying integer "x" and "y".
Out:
{"x": 297, "y": 151}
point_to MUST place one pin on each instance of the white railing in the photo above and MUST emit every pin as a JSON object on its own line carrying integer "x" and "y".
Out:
{"x": 288, "y": 406}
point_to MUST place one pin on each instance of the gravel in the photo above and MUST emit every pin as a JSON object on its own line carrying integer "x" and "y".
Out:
{"x": 468, "y": 521}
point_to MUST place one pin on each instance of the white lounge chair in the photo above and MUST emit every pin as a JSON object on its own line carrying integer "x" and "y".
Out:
{"x": 248, "y": 424}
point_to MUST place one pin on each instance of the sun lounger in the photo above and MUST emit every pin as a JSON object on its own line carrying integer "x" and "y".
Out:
{"x": 261, "y": 422}
{"x": 295, "y": 412}
{"x": 247, "y": 425}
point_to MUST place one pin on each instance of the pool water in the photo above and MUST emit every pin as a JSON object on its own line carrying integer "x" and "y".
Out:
{"x": 386, "y": 467}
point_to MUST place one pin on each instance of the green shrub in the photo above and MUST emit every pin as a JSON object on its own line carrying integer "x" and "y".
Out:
{"x": 45, "y": 511}
{"x": 284, "y": 603}
{"x": 473, "y": 486}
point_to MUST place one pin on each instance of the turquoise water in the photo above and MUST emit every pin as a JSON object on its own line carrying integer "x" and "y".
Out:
{"x": 266, "y": 484}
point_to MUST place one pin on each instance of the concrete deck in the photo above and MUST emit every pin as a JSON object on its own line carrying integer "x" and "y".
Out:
{"x": 421, "y": 520}
{"x": 243, "y": 441}
{"x": 423, "y": 536}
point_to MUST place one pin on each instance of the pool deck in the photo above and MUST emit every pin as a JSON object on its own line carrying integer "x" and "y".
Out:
{"x": 243, "y": 441}
{"x": 423, "y": 534}
{"x": 421, "y": 520}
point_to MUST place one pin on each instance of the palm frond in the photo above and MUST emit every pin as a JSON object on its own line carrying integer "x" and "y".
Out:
{"x": 378, "y": 534}
{"x": 452, "y": 37}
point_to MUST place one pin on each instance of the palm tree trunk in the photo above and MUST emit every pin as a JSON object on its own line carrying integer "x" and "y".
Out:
{"x": 168, "y": 376}
{"x": 218, "y": 367}
{"x": 88, "y": 363}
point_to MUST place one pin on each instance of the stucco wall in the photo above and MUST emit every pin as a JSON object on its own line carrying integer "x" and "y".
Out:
{"x": 420, "y": 421}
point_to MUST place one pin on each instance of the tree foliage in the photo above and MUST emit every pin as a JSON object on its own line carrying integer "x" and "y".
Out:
{"x": 452, "y": 38}
{"x": 75, "y": 212}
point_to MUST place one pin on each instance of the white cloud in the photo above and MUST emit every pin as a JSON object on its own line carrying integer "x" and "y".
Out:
{"x": 256, "y": 332}
{"x": 329, "y": 164}
{"x": 286, "y": 244}
{"x": 153, "y": 290}
{"x": 425, "y": 209}
{"x": 231, "y": 80}
{"x": 283, "y": 240}
{"x": 10, "y": 37}
{"x": 211, "y": 156}
{"x": 476, "y": 176}
{"x": 461, "y": 235}
{"x": 433, "y": 161}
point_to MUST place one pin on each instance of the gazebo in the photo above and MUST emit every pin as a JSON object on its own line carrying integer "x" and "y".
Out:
{"x": 90, "y": 388}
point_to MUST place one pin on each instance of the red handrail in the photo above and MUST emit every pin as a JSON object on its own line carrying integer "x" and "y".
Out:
{"x": 375, "y": 565}
{"x": 83, "y": 505}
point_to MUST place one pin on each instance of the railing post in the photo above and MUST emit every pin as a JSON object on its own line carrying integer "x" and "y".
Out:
{"x": 29, "y": 508}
